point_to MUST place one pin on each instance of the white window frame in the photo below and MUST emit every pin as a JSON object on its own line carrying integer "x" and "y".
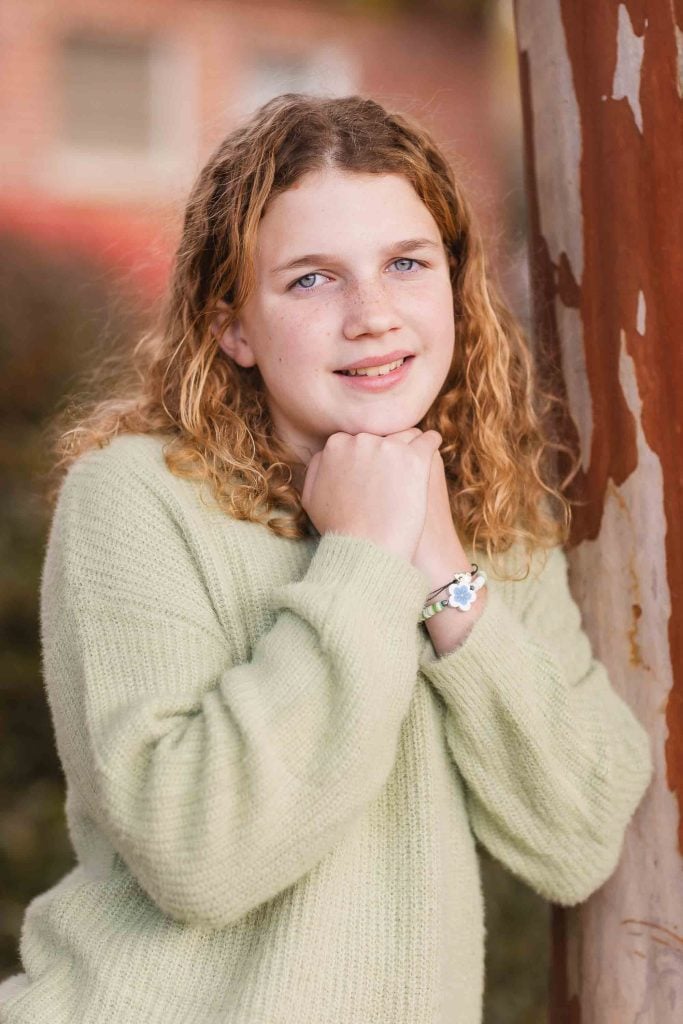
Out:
{"x": 170, "y": 160}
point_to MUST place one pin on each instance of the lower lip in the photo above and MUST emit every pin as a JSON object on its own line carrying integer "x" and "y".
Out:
{"x": 387, "y": 380}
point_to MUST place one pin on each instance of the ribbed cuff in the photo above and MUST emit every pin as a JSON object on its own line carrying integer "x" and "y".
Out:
{"x": 395, "y": 587}
{"x": 482, "y": 651}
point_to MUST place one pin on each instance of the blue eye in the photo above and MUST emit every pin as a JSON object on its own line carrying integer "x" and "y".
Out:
{"x": 307, "y": 282}
{"x": 307, "y": 276}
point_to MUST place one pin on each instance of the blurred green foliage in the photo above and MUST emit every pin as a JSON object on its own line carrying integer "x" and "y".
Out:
{"x": 517, "y": 948}
{"x": 58, "y": 317}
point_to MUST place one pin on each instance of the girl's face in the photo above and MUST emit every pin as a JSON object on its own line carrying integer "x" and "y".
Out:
{"x": 348, "y": 266}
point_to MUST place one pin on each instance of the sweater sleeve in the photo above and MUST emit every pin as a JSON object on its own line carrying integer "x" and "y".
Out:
{"x": 218, "y": 781}
{"x": 553, "y": 760}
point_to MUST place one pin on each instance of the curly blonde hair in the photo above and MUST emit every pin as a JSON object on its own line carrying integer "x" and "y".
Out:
{"x": 491, "y": 412}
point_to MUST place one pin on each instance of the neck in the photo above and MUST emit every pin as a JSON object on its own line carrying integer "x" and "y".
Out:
{"x": 298, "y": 475}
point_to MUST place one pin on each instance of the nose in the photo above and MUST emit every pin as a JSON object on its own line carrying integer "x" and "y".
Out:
{"x": 368, "y": 310}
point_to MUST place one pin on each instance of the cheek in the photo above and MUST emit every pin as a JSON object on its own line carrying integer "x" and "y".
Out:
{"x": 446, "y": 317}
{"x": 295, "y": 355}
{"x": 305, "y": 340}
{"x": 281, "y": 344}
{"x": 437, "y": 330}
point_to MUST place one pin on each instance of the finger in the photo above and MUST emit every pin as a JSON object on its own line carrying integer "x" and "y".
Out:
{"x": 437, "y": 466}
{"x": 406, "y": 436}
{"x": 429, "y": 440}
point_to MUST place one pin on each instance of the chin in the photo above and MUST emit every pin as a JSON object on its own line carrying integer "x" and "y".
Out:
{"x": 370, "y": 428}
{"x": 395, "y": 426}
{"x": 382, "y": 423}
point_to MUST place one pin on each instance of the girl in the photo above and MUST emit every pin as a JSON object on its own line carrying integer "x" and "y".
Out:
{"x": 277, "y": 761}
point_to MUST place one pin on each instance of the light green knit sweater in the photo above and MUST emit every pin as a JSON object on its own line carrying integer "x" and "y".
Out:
{"x": 274, "y": 785}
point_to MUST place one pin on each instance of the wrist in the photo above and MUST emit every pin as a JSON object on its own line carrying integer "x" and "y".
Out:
{"x": 442, "y": 567}
{"x": 449, "y": 628}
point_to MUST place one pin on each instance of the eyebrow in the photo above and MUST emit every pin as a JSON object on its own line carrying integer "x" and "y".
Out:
{"x": 322, "y": 257}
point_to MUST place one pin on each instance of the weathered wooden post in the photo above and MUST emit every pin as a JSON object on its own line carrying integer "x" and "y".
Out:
{"x": 603, "y": 121}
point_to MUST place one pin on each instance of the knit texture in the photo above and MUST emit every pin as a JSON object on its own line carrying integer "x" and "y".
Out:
{"x": 274, "y": 785}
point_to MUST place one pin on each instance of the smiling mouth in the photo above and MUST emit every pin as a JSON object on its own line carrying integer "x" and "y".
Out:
{"x": 375, "y": 371}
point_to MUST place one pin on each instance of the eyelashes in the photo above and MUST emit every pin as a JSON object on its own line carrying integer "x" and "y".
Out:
{"x": 298, "y": 281}
{"x": 317, "y": 273}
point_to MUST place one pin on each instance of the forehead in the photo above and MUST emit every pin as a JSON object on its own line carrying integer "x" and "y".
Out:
{"x": 338, "y": 206}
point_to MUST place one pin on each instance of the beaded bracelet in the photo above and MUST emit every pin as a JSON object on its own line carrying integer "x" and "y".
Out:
{"x": 462, "y": 592}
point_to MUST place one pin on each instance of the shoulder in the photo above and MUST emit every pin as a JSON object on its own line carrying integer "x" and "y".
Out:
{"x": 126, "y": 475}
{"x": 125, "y": 533}
{"x": 122, "y": 494}
{"x": 127, "y": 455}
{"x": 126, "y": 494}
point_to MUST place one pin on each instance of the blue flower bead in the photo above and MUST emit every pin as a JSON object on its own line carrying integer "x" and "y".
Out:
{"x": 461, "y": 596}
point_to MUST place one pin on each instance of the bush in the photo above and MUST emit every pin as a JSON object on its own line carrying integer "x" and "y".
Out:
{"x": 57, "y": 316}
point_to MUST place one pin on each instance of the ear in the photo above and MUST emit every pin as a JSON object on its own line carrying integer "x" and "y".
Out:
{"x": 228, "y": 332}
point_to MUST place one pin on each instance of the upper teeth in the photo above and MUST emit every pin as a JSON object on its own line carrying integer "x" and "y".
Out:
{"x": 375, "y": 371}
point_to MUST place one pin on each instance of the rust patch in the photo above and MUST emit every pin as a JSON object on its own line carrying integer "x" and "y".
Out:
{"x": 612, "y": 417}
{"x": 567, "y": 286}
{"x": 545, "y": 279}
{"x": 631, "y": 202}
{"x": 634, "y": 647}
{"x": 563, "y": 1009}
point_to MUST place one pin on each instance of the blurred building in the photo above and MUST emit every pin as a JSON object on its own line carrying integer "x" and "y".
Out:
{"x": 110, "y": 108}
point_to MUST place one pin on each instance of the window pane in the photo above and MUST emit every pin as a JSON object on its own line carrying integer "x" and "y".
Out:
{"x": 106, "y": 97}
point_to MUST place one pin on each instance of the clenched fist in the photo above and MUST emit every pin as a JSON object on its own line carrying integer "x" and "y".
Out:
{"x": 371, "y": 486}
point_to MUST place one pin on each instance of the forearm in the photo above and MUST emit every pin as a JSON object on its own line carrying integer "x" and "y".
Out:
{"x": 220, "y": 772}
{"x": 553, "y": 760}
{"x": 447, "y": 629}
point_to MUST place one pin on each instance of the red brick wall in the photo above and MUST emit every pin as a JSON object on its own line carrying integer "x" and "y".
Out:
{"x": 129, "y": 217}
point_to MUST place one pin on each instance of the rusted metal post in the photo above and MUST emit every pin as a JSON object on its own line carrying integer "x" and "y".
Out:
{"x": 603, "y": 121}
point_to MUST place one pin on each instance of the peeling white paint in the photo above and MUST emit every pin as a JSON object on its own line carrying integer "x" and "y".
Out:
{"x": 640, "y": 315}
{"x": 679, "y": 51}
{"x": 620, "y": 578}
{"x": 557, "y": 155}
{"x": 634, "y": 515}
{"x": 630, "y": 48}
{"x": 628, "y": 558}
{"x": 576, "y": 376}
{"x": 557, "y": 131}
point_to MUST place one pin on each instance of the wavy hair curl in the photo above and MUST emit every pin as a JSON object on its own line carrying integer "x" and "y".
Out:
{"x": 495, "y": 418}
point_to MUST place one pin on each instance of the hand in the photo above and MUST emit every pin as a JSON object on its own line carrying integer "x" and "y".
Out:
{"x": 439, "y": 544}
{"x": 372, "y": 486}
{"x": 439, "y": 551}
{"x": 439, "y": 554}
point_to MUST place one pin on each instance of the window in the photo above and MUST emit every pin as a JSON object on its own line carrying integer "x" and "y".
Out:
{"x": 106, "y": 93}
{"x": 127, "y": 116}
{"x": 327, "y": 70}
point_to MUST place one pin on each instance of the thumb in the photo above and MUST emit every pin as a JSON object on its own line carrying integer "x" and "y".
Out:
{"x": 406, "y": 436}
{"x": 429, "y": 442}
